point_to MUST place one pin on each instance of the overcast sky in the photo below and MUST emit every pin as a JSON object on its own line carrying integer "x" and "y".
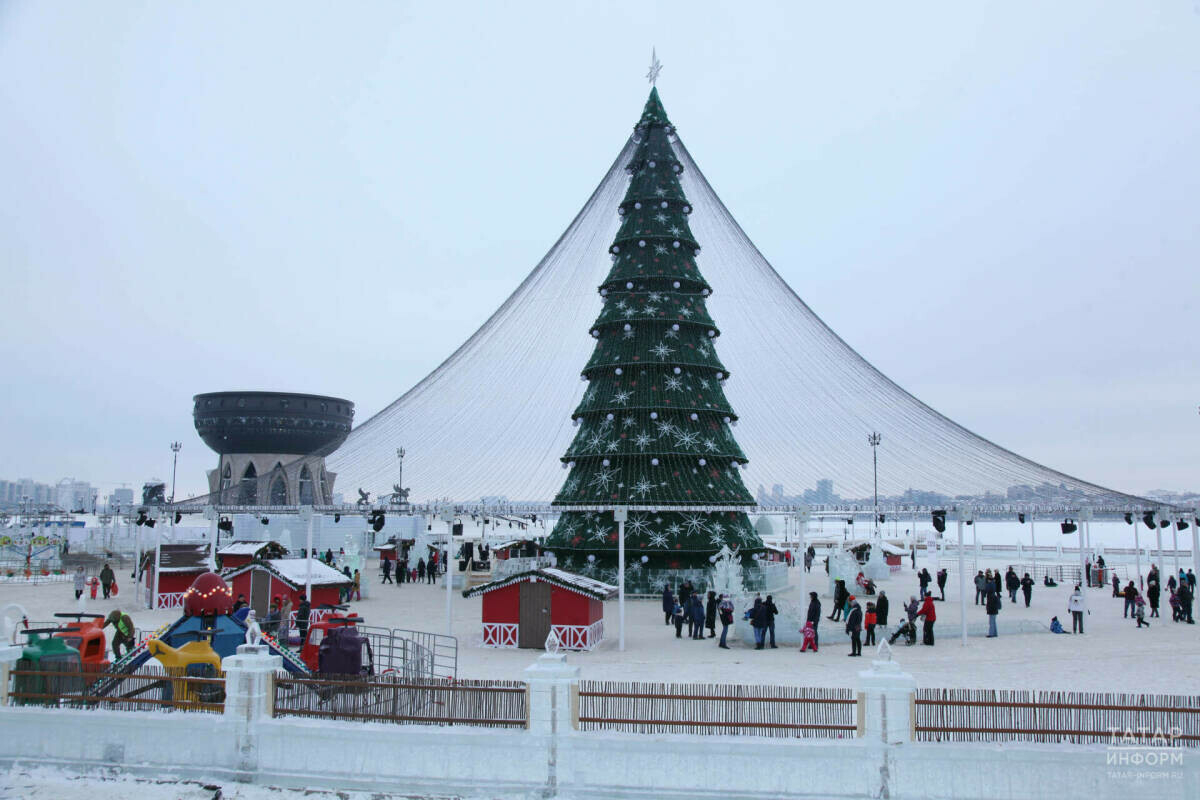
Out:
{"x": 995, "y": 203}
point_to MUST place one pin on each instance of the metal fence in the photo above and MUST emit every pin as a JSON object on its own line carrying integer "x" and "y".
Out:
{"x": 1026, "y": 715}
{"x": 717, "y": 709}
{"x": 390, "y": 698}
{"x": 149, "y": 688}
{"x": 443, "y": 650}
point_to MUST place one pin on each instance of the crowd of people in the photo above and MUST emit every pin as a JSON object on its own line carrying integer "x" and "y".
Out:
{"x": 862, "y": 619}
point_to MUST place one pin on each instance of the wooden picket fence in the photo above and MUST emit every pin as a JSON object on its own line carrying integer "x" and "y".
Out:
{"x": 720, "y": 709}
{"x": 149, "y": 688}
{"x": 400, "y": 700}
{"x": 1025, "y": 715}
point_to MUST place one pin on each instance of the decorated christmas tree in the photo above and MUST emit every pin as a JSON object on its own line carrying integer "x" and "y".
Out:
{"x": 654, "y": 425}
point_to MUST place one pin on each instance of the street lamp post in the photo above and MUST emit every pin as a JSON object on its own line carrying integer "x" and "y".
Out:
{"x": 175, "y": 448}
{"x": 874, "y": 439}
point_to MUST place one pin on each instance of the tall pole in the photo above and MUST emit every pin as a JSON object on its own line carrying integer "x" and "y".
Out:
{"x": 400, "y": 458}
{"x": 1195, "y": 541}
{"x": 449, "y": 575}
{"x": 1137, "y": 553}
{"x": 620, "y": 515}
{"x": 175, "y": 448}
{"x": 962, "y": 579}
{"x": 1175, "y": 540}
{"x": 874, "y": 439}
{"x": 158, "y": 559}
{"x": 1082, "y": 569}
{"x": 1158, "y": 535}
{"x": 307, "y": 511}
{"x": 214, "y": 519}
{"x": 1033, "y": 542}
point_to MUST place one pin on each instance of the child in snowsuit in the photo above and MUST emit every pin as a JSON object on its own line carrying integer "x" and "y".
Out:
{"x": 810, "y": 638}
{"x": 1139, "y": 611}
{"x": 869, "y": 622}
{"x": 677, "y": 617}
{"x": 1056, "y": 626}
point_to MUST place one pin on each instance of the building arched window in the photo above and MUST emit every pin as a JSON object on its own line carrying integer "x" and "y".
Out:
{"x": 279, "y": 494}
{"x": 325, "y": 498}
{"x": 248, "y": 490}
{"x": 306, "y": 486}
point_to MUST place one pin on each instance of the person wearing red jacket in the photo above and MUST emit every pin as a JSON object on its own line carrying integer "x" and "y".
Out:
{"x": 927, "y": 611}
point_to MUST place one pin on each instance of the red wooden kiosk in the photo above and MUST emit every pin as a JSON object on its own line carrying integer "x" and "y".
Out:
{"x": 179, "y": 565}
{"x": 522, "y": 609}
{"x": 239, "y": 553}
{"x": 261, "y": 580}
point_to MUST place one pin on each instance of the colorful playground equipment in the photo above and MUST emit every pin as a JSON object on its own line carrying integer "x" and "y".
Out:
{"x": 334, "y": 645}
{"x": 86, "y": 635}
{"x": 44, "y": 659}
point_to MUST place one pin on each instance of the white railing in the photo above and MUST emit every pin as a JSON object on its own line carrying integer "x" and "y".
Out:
{"x": 170, "y": 600}
{"x": 500, "y": 634}
{"x": 579, "y": 637}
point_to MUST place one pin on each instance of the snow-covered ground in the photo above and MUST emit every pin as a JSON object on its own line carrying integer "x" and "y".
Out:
{"x": 1112, "y": 656}
{"x": 30, "y": 782}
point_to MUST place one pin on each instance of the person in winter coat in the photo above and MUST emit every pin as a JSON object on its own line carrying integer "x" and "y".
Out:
{"x": 677, "y": 618}
{"x": 942, "y": 575}
{"x": 912, "y": 608}
{"x": 1116, "y": 584}
{"x": 387, "y": 571}
{"x": 854, "y": 621}
{"x": 303, "y": 611}
{"x": 1075, "y": 606}
{"x": 869, "y": 619}
{"x": 356, "y": 589}
{"x": 1130, "y": 594}
{"x": 770, "y": 611}
{"x": 1012, "y": 583}
{"x": 814, "y": 616}
{"x": 685, "y": 593}
{"x": 725, "y": 610}
{"x": 839, "y": 599}
{"x": 697, "y": 630}
{"x": 710, "y": 615}
{"x": 1152, "y": 591}
{"x": 1185, "y": 601}
{"x": 122, "y": 633}
{"x": 980, "y": 584}
{"x": 927, "y": 611}
{"x": 881, "y": 609}
{"x": 106, "y": 579}
{"x": 1056, "y": 626}
{"x": 1139, "y": 611}
{"x": 993, "y": 609}
{"x": 420, "y": 569}
{"x": 80, "y": 582}
{"x": 1191, "y": 581}
{"x": 1171, "y": 583}
{"x": 924, "y": 579}
{"x": 1027, "y": 588}
{"x": 757, "y": 622}
{"x": 668, "y": 603}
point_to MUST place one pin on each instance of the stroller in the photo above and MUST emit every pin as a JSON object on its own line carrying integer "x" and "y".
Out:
{"x": 908, "y": 630}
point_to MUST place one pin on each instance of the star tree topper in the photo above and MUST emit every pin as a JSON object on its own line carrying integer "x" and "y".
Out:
{"x": 655, "y": 68}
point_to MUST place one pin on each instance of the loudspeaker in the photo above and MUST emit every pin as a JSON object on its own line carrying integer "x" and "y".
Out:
{"x": 1021, "y": 518}
{"x": 939, "y": 521}
{"x": 1069, "y": 526}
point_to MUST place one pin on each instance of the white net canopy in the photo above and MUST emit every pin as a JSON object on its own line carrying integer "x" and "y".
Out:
{"x": 494, "y": 419}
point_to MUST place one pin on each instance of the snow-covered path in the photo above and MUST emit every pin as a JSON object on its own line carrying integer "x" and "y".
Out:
{"x": 1113, "y": 656}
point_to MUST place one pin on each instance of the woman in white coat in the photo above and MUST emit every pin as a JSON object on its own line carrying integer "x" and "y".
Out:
{"x": 1075, "y": 606}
